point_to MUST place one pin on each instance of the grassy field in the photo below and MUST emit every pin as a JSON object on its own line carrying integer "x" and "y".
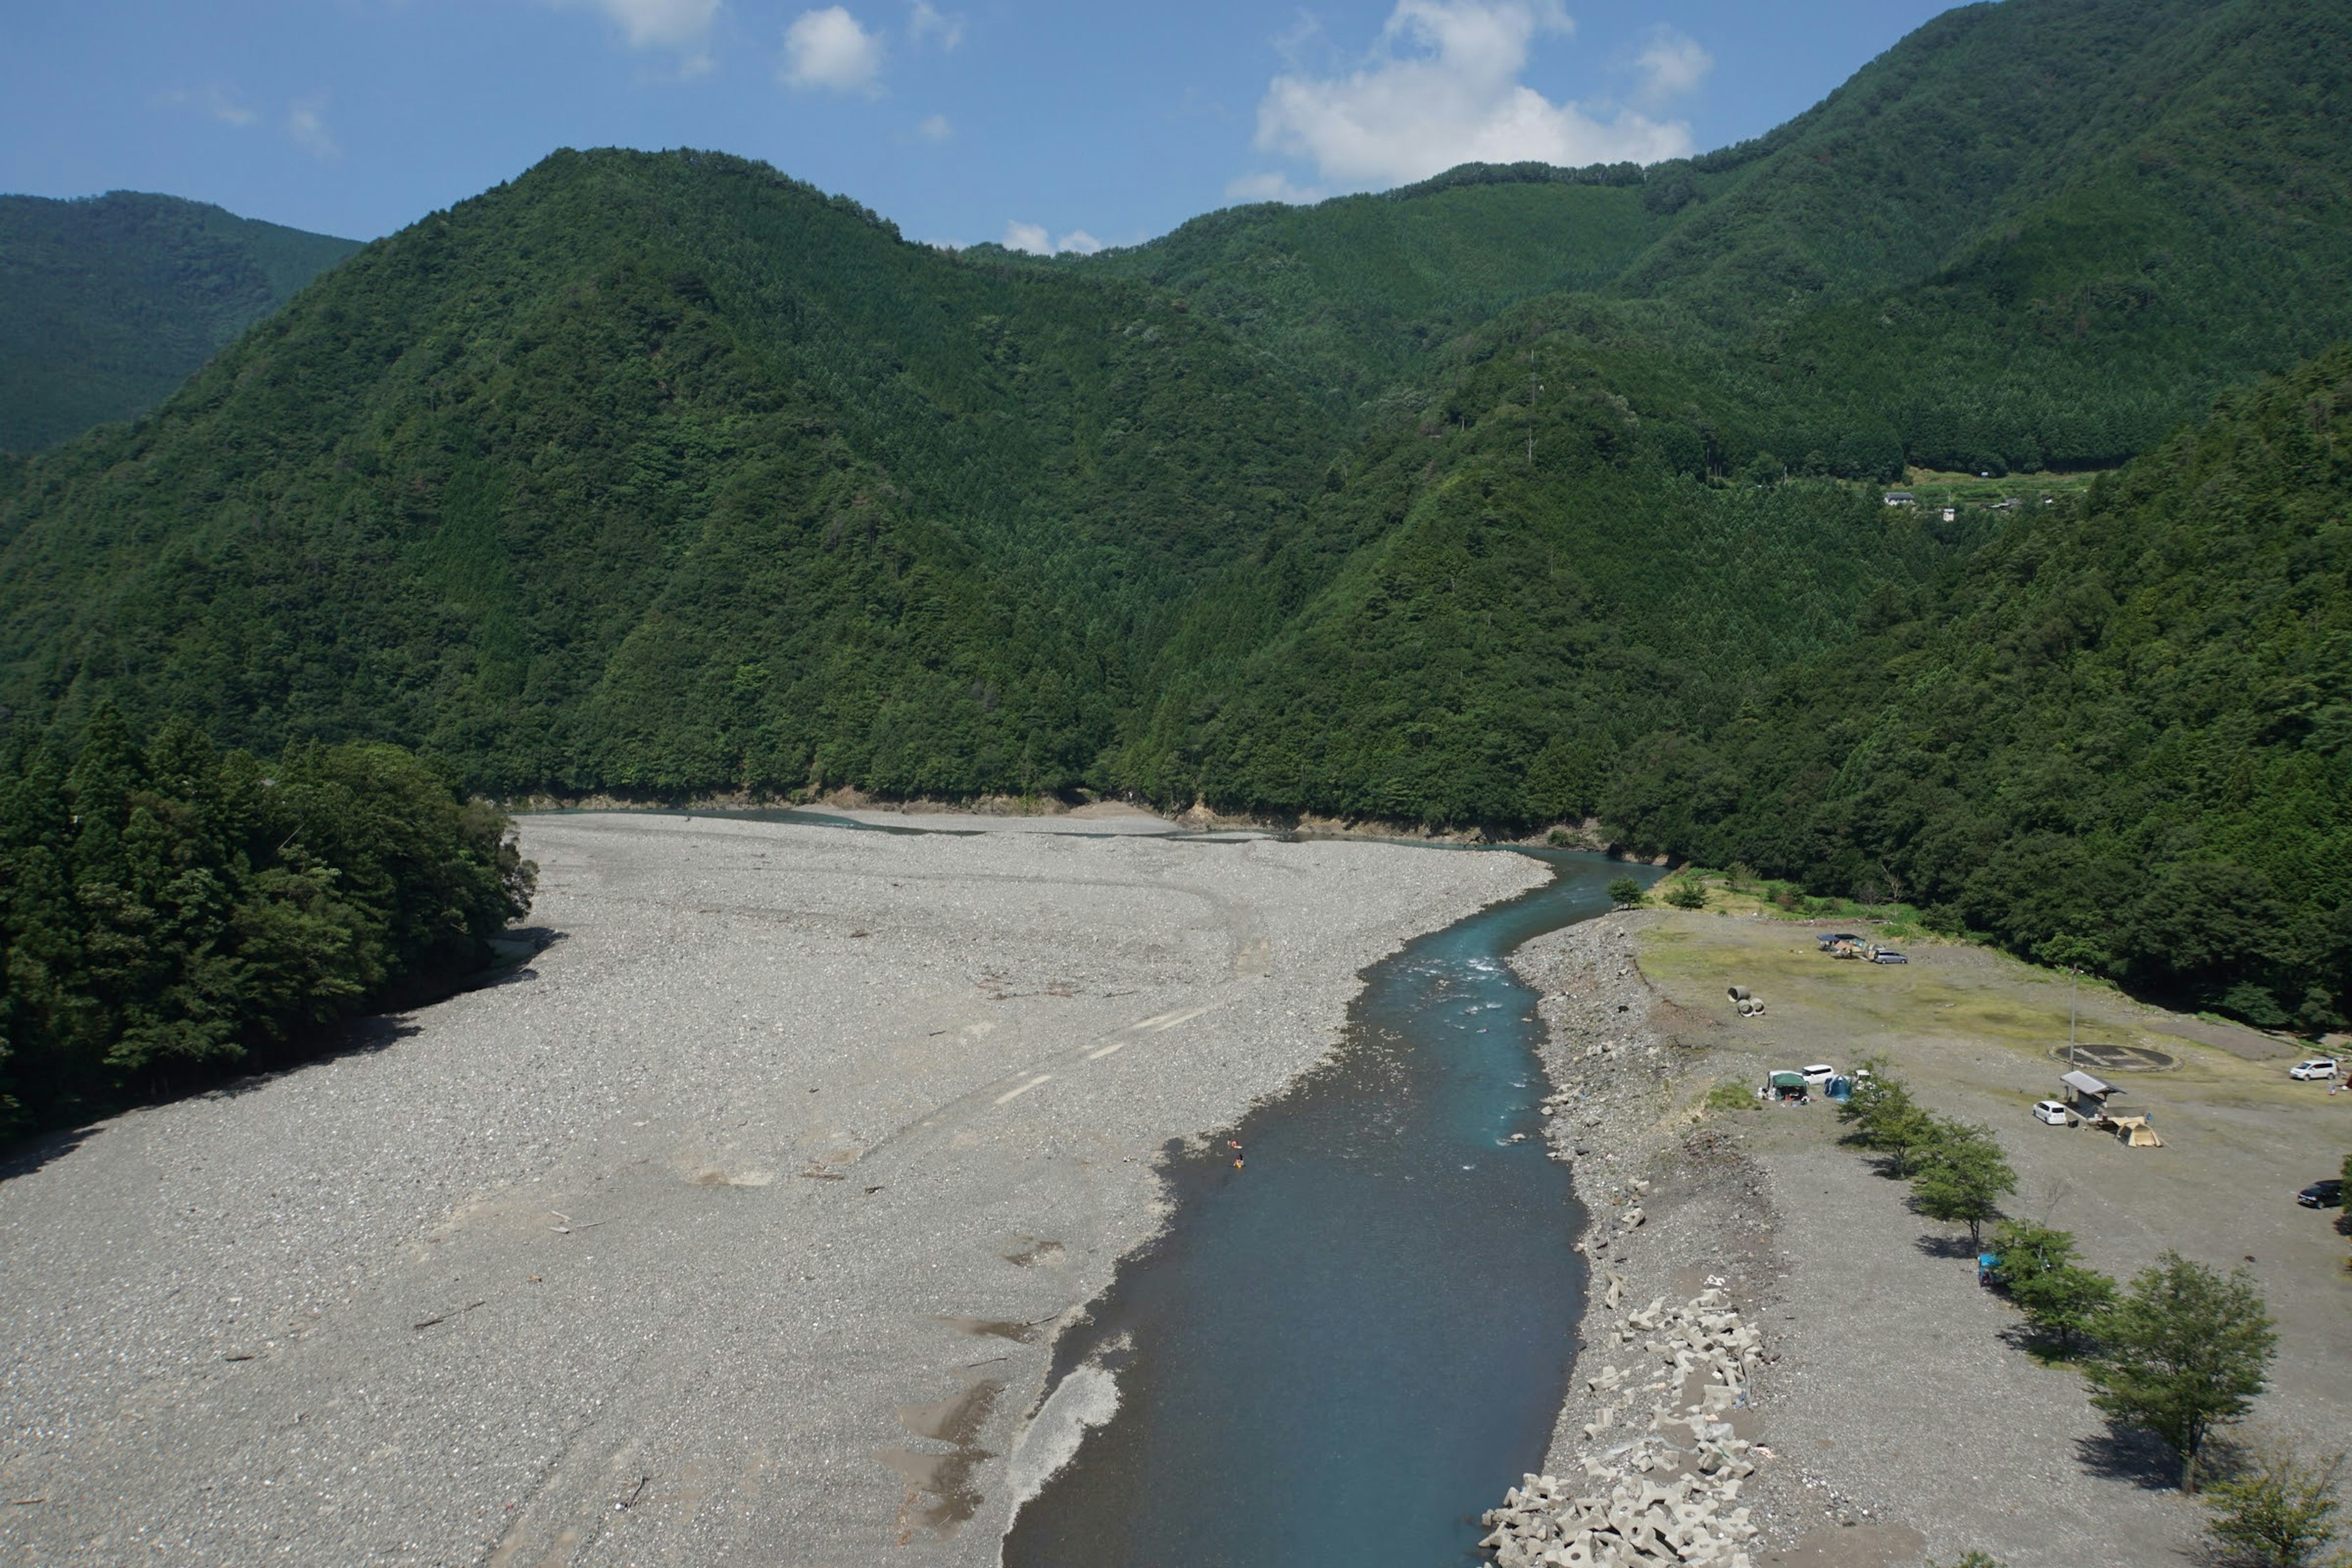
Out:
{"x": 1941, "y": 487}
{"x": 1983, "y": 1036}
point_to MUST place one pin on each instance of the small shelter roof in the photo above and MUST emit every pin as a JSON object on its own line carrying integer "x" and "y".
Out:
{"x": 2083, "y": 1083}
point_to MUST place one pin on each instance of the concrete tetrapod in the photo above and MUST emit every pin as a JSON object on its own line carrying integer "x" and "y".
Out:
{"x": 1671, "y": 1491}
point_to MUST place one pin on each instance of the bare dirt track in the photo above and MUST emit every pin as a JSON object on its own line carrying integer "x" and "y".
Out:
{"x": 732, "y": 1230}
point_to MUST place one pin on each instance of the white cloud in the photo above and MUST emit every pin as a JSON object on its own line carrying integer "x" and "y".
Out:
{"x": 1295, "y": 42}
{"x": 1672, "y": 64}
{"x": 213, "y": 101}
{"x": 935, "y": 128}
{"x": 1272, "y": 188}
{"x": 828, "y": 48}
{"x": 1033, "y": 238}
{"x": 658, "y": 24}
{"x": 306, "y": 122}
{"x": 1443, "y": 88}
{"x": 926, "y": 23}
{"x": 1029, "y": 237}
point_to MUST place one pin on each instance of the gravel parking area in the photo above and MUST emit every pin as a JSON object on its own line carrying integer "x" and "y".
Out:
{"x": 733, "y": 1229}
{"x": 1902, "y": 1417}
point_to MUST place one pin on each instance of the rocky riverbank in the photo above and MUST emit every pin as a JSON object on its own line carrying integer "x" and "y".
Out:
{"x": 1665, "y": 1489}
{"x": 1667, "y": 1407}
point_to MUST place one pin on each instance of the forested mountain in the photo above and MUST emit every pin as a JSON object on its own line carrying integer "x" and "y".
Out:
{"x": 2039, "y": 232}
{"x": 664, "y": 472}
{"x": 107, "y": 304}
{"x": 1507, "y": 498}
{"x": 2128, "y": 720}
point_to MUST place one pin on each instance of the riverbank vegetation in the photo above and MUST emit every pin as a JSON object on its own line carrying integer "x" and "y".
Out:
{"x": 2278, "y": 1509}
{"x": 171, "y": 912}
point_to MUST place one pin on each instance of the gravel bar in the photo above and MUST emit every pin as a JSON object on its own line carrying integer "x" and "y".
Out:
{"x": 733, "y": 1228}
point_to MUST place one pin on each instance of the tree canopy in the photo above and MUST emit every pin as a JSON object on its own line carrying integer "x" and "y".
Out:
{"x": 168, "y": 908}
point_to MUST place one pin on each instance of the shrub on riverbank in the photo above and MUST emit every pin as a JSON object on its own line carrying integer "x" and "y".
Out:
{"x": 169, "y": 909}
{"x": 1731, "y": 1096}
{"x": 2278, "y": 1512}
{"x": 2059, "y": 1296}
{"x": 2183, "y": 1355}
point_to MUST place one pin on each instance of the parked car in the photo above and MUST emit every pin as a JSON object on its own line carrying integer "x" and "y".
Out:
{"x": 2053, "y": 1112}
{"x": 2316, "y": 1067}
{"x": 2327, "y": 1194}
{"x": 1819, "y": 1073}
{"x": 1887, "y": 955}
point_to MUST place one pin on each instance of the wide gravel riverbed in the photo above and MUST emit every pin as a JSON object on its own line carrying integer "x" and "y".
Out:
{"x": 734, "y": 1229}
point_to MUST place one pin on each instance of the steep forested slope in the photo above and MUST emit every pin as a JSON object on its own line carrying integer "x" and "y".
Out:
{"x": 1552, "y": 577}
{"x": 2180, "y": 225}
{"x": 1352, "y": 295}
{"x": 107, "y": 304}
{"x": 2129, "y": 721}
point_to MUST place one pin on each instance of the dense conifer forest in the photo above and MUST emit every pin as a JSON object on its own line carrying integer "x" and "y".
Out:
{"x": 107, "y": 304}
{"x": 1517, "y": 498}
{"x": 169, "y": 909}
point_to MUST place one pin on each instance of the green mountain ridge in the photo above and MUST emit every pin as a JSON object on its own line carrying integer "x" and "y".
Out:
{"x": 1512, "y": 498}
{"x": 107, "y": 304}
{"x": 1946, "y": 259}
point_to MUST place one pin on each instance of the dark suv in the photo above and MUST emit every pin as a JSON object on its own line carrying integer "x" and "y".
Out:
{"x": 2327, "y": 1194}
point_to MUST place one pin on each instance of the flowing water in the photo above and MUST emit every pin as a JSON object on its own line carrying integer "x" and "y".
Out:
{"x": 1346, "y": 1349}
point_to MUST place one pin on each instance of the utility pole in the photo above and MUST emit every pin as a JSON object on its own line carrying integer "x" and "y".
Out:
{"x": 2074, "y": 991}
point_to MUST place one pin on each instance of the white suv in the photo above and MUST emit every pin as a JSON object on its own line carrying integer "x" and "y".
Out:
{"x": 2051, "y": 1111}
{"x": 2316, "y": 1067}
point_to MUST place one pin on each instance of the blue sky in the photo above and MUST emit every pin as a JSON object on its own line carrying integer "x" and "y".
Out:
{"x": 1029, "y": 122}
